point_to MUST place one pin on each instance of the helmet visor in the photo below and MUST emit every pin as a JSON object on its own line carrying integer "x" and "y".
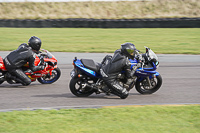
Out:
{"x": 130, "y": 51}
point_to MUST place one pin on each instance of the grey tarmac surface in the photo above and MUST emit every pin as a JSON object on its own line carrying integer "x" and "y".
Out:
{"x": 181, "y": 85}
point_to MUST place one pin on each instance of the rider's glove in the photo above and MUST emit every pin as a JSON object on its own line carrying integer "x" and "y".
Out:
{"x": 43, "y": 67}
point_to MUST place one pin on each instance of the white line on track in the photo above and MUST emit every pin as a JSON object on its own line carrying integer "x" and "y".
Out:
{"x": 94, "y": 106}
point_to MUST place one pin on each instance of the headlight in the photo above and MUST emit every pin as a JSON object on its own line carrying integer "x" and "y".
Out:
{"x": 157, "y": 64}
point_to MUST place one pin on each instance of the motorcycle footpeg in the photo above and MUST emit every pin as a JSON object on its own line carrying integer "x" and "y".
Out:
{"x": 94, "y": 87}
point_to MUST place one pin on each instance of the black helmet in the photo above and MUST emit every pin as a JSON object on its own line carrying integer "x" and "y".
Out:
{"x": 35, "y": 43}
{"x": 128, "y": 49}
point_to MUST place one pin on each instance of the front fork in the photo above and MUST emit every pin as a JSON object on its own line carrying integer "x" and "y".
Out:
{"x": 148, "y": 79}
{"x": 48, "y": 70}
{"x": 149, "y": 83}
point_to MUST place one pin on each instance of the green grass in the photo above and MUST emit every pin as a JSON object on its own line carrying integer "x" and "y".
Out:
{"x": 160, "y": 40}
{"x": 144, "y": 119}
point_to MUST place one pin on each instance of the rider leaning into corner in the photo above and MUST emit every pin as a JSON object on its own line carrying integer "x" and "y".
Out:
{"x": 114, "y": 65}
{"x": 19, "y": 57}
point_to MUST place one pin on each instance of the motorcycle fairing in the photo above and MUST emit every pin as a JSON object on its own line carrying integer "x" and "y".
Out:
{"x": 144, "y": 72}
{"x": 85, "y": 70}
{"x": 2, "y": 66}
{"x": 133, "y": 62}
{"x": 150, "y": 77}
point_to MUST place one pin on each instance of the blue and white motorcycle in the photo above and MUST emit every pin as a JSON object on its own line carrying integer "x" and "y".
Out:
{"x": 86, "y": 77}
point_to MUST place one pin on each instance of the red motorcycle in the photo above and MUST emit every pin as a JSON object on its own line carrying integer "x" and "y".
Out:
{"x": 50, "y": 74}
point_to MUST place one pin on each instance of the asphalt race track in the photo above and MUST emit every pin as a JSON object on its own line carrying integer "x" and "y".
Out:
{"x": 181, "y": 85}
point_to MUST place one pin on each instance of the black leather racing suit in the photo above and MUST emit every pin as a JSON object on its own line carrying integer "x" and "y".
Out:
{"x": 17, "y": 58}
{"x": 112, "y": 68}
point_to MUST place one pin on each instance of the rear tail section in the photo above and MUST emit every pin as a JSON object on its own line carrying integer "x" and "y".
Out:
{"x": 87, "y": 66}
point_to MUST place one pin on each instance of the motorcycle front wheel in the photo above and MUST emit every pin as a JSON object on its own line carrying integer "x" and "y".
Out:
{"x": 143, "y": 88}
{"x": 2, "y": 78}
{"x": 49, "y": 79}
{"x": 77, "y": 87}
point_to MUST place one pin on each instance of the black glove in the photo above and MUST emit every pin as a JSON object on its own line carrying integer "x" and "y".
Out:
{"x": 43, "y": 66}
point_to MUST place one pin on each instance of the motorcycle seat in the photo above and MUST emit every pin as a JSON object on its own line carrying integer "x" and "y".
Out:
{"x": 90, "y": 64}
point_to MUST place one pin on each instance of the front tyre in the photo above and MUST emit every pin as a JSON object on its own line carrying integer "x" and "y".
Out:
{"x": 143, "y": 88}
{"x": 77, "y": 87}
{"x": 2, "y": 78}
{"x": 49, "y": 79}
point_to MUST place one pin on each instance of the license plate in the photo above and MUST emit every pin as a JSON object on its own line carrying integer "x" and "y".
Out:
{"x": 72, "y": 73}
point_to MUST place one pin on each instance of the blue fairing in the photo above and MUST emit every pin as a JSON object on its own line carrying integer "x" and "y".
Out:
{"x": 141, "y": 73}
{"x": 133, "y": 62}
{"x": 150, "y": 77}
{"x": 157, "y": 74}
{"x": 85, "y": 70}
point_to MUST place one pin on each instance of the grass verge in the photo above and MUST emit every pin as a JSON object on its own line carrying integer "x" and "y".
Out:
{"x": 151, "y": 119}
{"x": 160, "y": 40}
{"x": 102, "y": 9}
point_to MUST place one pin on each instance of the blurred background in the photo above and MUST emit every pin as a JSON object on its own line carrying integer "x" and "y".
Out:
{"x": 166, "y": 26}
{"x": 98, "y": 9}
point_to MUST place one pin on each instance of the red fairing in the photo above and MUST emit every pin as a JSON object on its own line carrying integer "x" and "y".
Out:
{"x": 2, "y": 66}
{"x": 37, "y": 60}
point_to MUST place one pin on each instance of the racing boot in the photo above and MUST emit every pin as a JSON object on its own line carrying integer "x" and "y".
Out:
{"x": 118, "y": 90}
{"x": 122, "y": 96}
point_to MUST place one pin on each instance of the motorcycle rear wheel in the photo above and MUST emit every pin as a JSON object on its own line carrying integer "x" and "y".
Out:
{"x": 49, "y": 79}
{"x": 77, "y": 89}
{"x": 142, "y": 89}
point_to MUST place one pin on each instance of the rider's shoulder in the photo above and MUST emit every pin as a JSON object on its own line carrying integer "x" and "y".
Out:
{"x": 117, "y": 51}
{"x": 23, "y": 45}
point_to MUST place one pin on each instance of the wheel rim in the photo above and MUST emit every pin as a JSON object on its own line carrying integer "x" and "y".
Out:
{"x": 81, "y": 87}
{"x": 144, "y": 85}
{"x": 49, "y": 77}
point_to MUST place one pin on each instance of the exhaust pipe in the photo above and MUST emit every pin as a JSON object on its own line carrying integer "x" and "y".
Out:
{"x": 88, "y": 85}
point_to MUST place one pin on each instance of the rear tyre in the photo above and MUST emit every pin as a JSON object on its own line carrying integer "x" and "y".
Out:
{"x": 142, "y": 86}
{"x": 49, "y": 79}
{"x": 77, "y": 87}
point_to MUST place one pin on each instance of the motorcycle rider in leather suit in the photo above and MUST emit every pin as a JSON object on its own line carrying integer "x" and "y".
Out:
{"x": 19, "y": 57}
{"x": 113, "y": 67}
